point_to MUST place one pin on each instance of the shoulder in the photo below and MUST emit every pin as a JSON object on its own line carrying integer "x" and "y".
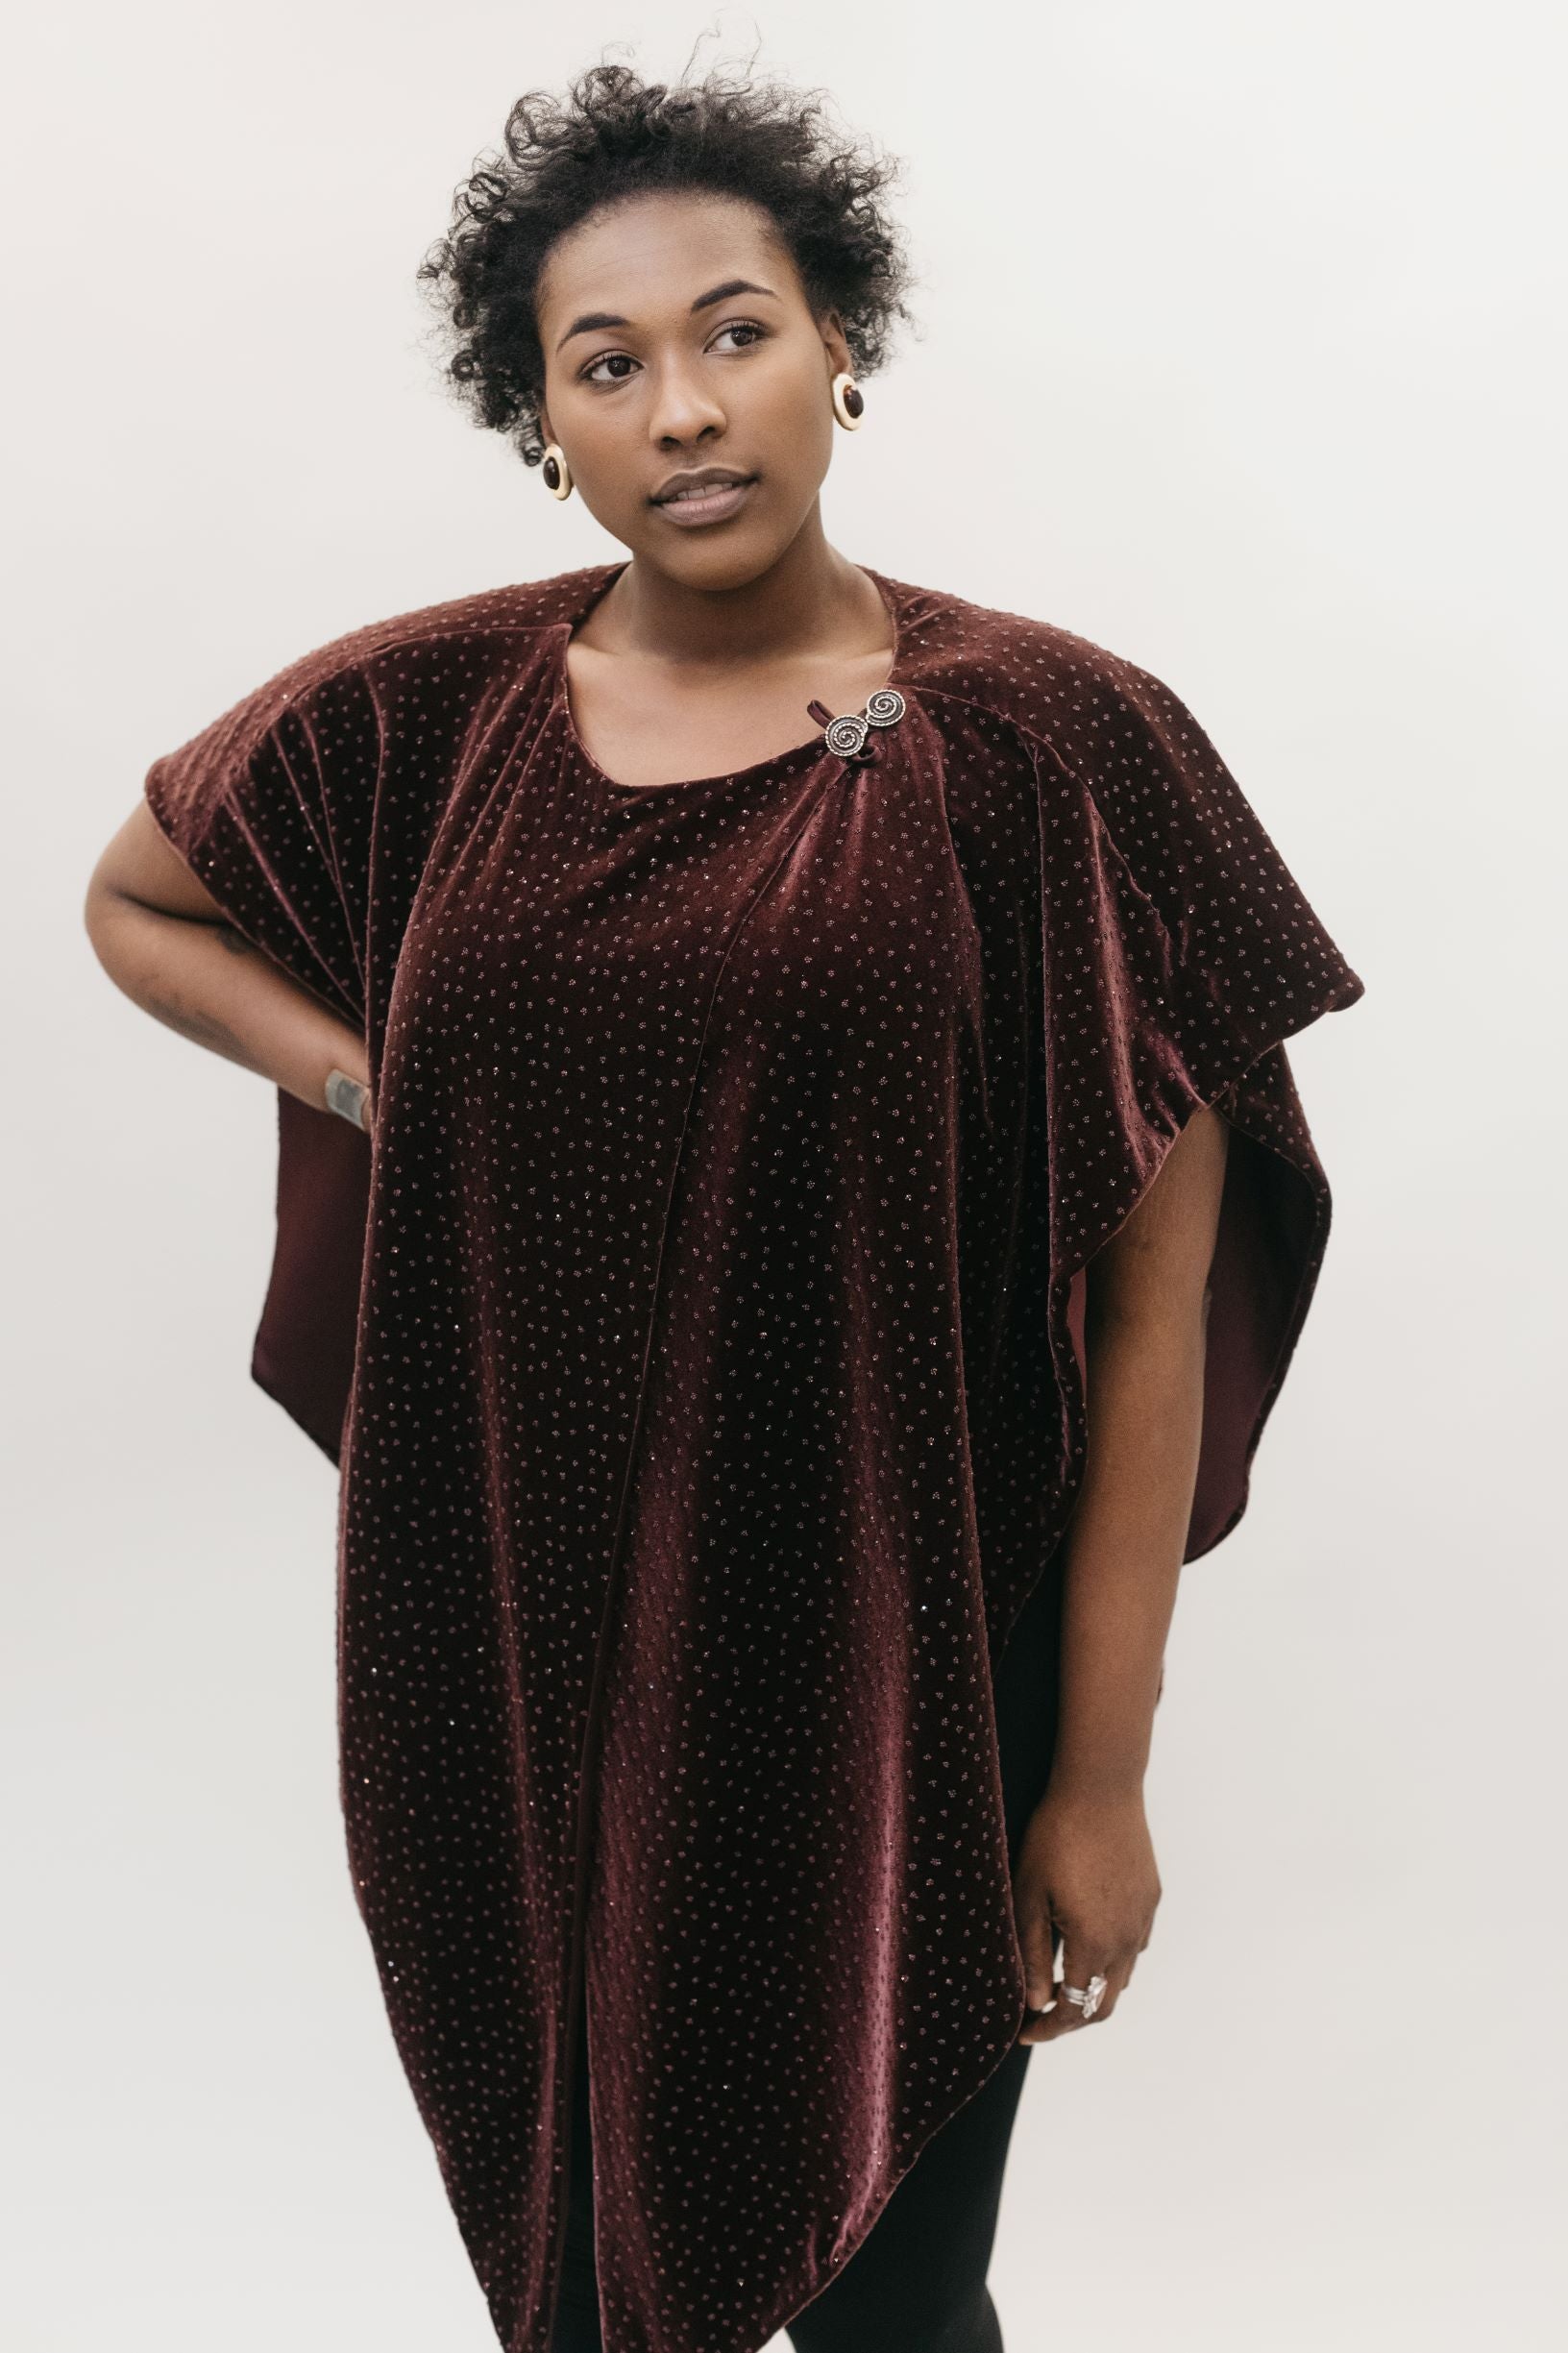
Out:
{"x": 370, "y": 693}
{"x": 1066, "y": 692}
{"x": 456, "y": 637}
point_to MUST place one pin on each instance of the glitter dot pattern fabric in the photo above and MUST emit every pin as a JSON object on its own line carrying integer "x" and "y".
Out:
{"x": 699, "y": 1342}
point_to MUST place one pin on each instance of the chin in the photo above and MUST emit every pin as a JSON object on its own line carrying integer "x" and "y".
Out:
{"x": 714, "y": 559}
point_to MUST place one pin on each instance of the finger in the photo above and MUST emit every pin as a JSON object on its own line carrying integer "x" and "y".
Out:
{"x": 1115, "y": 1985}
{"x": 1083, "y": 1965}
{"x": 1042, "y": 1968}
{"x": 1037, "y": 1943}
{"x": 1067, "y": 2017}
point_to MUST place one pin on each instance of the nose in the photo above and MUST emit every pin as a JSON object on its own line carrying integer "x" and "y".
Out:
{"x": 683, "y": 407}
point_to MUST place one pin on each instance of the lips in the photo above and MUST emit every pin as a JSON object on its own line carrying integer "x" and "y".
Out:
{"x": 703, "y": 486}
{"x": 712, "y": 503}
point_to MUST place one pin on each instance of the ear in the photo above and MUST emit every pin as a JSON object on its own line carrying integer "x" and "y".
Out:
{"x": 835, "y": 344}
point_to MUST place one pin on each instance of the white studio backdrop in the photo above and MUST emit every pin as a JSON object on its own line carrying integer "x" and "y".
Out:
{"x": 1240, "y": 352}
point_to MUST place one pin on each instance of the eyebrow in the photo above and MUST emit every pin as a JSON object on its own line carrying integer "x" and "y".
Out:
{"x": 592, "y": 320}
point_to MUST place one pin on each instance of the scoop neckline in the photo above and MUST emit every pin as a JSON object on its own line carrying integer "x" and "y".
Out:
{"x": 778, "y": 763}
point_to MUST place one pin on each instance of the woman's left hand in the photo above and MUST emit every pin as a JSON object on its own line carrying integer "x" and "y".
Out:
{"x": 1086, "y": 1874}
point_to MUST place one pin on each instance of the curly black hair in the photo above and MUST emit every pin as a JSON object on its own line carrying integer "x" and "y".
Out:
{"x": 615, "y": 135}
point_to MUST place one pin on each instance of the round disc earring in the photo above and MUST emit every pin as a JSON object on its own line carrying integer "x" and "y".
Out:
{"x": 557, "y": 472}
{"x": 849, "y": 402}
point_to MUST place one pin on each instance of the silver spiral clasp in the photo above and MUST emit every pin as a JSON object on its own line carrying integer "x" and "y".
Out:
{"x": 846, "y": 735}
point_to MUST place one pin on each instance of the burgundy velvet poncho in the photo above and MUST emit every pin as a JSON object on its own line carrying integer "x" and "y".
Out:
{"x": 700, "y": 1344}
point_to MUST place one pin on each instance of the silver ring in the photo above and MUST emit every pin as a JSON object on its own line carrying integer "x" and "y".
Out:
{"x": 1086, "y": 1999}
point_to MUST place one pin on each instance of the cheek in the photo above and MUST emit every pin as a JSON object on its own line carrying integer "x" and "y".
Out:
{"x": 792, "y": 429}
{"x": 610, "y": 460}
{"x": 806, "y": 401}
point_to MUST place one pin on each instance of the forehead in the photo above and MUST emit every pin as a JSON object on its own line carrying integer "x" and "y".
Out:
{"x": 647, "y": 254}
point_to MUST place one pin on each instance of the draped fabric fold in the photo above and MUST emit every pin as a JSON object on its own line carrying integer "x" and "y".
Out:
{"x": 1179, "y": 955}
{"x": 700, "y": 1348}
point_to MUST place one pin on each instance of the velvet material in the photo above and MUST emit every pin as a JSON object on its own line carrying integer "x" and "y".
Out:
{"x": 701, "y": 1348}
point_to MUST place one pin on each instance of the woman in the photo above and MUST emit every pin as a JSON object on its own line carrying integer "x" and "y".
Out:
{"x": 819, "y": 1216}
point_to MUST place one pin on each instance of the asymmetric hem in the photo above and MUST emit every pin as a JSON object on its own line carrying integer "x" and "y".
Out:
{"x": 700, "y": 1343}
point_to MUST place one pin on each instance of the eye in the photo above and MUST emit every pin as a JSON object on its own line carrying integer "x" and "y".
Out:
{"x": 743, "y": 327}
{"x": 732, "y": 326}
{"x": 589, "y": 378}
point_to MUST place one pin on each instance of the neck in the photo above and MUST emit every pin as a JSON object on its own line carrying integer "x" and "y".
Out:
{"x": 810, "y": 598}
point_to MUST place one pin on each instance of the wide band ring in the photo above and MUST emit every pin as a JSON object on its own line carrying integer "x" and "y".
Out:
{"x": 1087, "y": 1998}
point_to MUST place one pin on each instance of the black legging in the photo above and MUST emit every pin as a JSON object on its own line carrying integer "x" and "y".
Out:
{"x": 916, "y": 2282}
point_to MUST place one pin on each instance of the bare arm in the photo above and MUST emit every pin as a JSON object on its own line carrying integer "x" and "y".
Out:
{"x": 1086, "y": 1863}
{"x": 163, "y": 940}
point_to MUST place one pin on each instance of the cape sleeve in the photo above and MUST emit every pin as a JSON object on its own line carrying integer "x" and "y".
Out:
{"x": 1179, "y": 954}
{"x": 272, "y": 806}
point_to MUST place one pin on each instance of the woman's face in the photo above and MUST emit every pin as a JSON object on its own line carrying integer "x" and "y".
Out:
{"x": 677, "y": 336}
